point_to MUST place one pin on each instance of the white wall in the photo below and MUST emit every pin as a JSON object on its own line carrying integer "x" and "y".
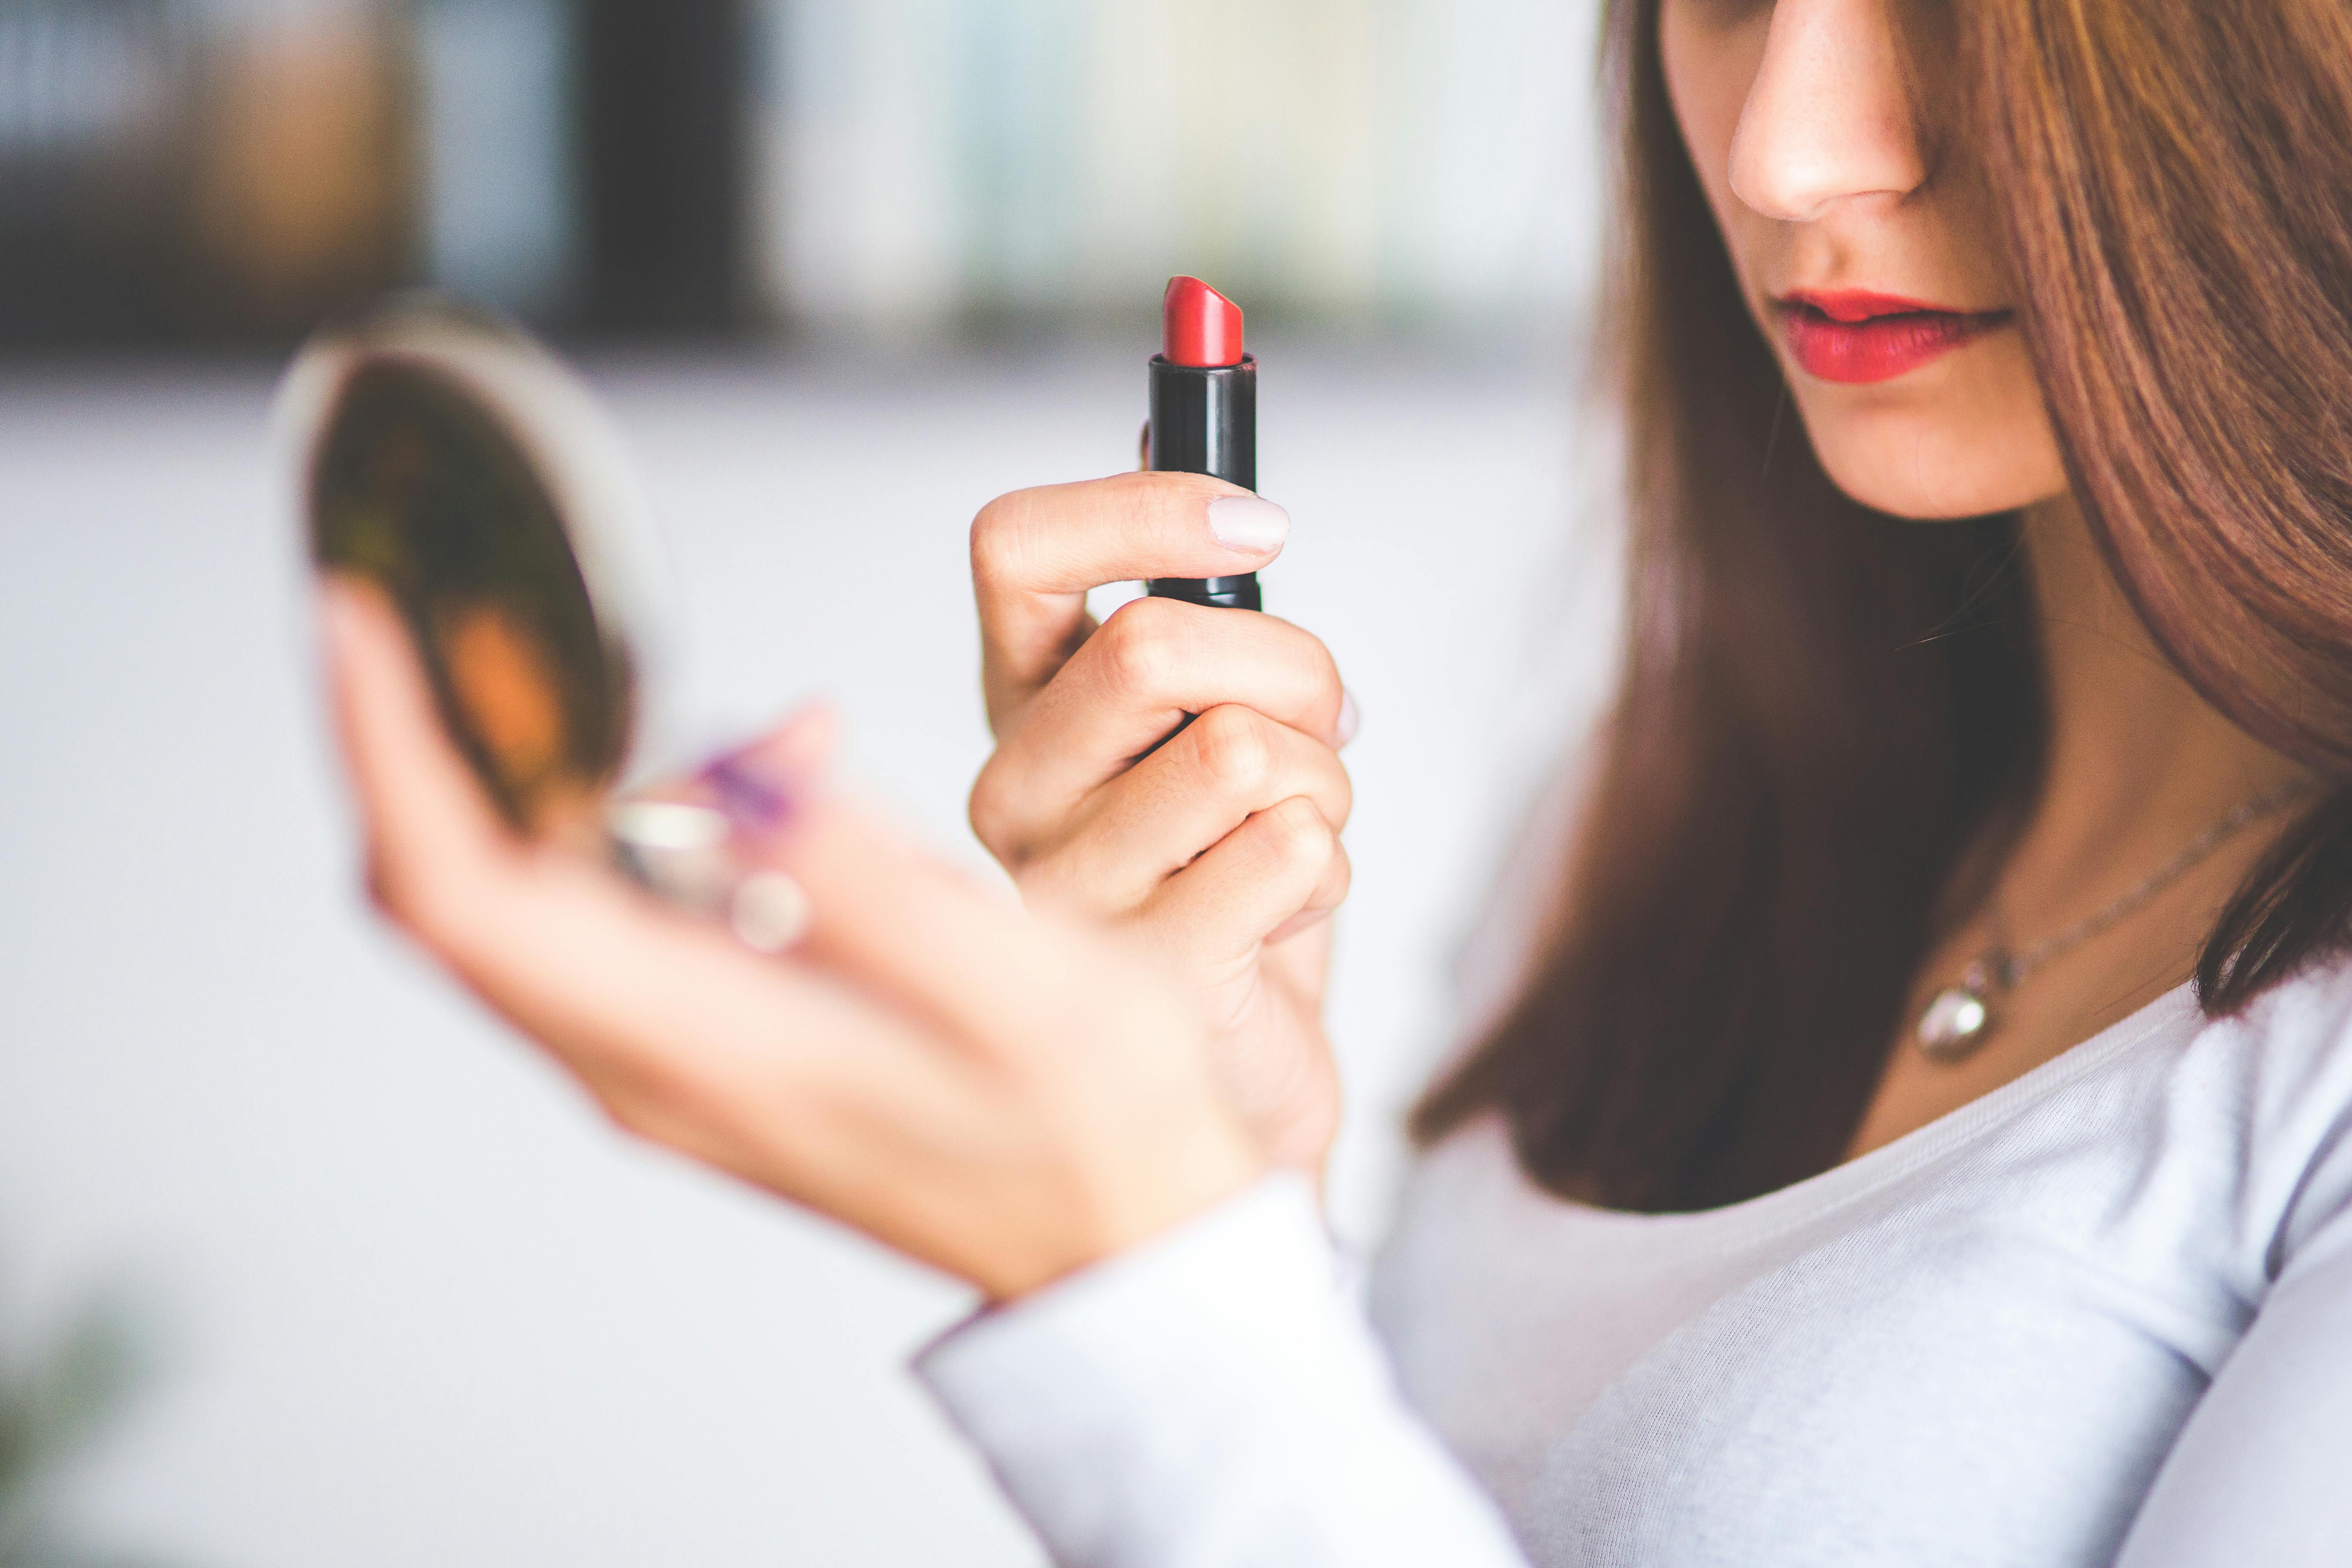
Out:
{"x": 422, "y": 1307}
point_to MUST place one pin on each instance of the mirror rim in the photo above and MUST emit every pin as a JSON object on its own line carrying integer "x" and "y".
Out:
{"x": 571, "y": 444}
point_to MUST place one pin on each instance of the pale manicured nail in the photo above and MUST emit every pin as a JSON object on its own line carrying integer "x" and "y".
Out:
{"x": 1251, "y": 524}
{"x": 1343, "y": 728}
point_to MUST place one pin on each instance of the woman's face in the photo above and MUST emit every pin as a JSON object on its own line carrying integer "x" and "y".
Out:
{"x": 1864, "y": 240}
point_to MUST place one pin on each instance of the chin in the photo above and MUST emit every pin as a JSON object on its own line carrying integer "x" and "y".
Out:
{"x": 1926, "y": 473}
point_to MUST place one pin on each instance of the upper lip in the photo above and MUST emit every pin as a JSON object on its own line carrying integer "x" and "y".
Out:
{"x": 1851, "y": 305}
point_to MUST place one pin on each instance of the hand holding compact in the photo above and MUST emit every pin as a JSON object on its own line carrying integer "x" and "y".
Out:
{"x": 990, "y": 1092}
{"x": 1218, "y": 842}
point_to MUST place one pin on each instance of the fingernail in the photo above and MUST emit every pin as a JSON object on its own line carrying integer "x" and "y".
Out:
{"x": 1343, "y": 728}
{"x": 751, "y": 798}
{"x": 1251, "y": 524}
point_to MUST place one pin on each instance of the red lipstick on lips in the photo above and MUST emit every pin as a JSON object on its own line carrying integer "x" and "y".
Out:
{"x": 1855, "y": 337}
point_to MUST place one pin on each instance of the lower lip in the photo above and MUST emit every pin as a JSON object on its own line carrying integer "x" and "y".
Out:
{"x": 1879, "y": 349}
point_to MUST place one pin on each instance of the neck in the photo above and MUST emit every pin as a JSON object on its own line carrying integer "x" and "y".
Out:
{"x": 2138, "y": 762}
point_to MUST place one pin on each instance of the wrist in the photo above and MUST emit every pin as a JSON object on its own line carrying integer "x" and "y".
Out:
{"x": 1129, "y": 1201}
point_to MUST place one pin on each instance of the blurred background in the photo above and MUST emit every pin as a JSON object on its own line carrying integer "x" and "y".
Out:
{"x": 303, "y": 1260}
{"x": 225, "y": 171}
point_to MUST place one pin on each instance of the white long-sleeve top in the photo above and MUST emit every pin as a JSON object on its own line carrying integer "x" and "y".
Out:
{"x": 2103, "y": 1314}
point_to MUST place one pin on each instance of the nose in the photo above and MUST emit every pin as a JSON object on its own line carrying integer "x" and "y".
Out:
{"x": 1831, "y": 116}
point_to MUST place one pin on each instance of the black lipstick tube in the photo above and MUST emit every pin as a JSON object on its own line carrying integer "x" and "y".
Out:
{"x": 1204, "y": 421}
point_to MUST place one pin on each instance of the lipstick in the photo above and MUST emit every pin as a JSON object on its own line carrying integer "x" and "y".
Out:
{"x": 1205, "y": 417}
{"x": 1857, "y": 338}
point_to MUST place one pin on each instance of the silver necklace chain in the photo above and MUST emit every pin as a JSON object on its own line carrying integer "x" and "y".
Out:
{"x": 1959, "y": 1018}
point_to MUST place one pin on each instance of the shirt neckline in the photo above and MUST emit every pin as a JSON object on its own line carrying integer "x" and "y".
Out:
{"x": 1851, "y": 1180}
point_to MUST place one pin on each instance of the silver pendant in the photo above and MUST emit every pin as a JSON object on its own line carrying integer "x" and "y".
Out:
{"x": 1956, "y": 1022}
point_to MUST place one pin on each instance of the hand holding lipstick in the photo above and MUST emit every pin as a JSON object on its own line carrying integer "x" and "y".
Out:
{"x": 1174, "y": 771}
{"x": 1221, "y": 848}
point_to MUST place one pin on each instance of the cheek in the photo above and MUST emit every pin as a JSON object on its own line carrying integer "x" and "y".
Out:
{"x": 1710, "y": 63}
{"x": 1961, "y": 438}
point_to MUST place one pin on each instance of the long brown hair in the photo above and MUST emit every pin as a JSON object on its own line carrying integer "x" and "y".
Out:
{"x": 1826, "y": 711}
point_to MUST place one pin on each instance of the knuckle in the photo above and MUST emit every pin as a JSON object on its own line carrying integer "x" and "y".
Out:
{"x": 644, "y": 1095}
{"x": 405, "y": 895}
{"x": 1300, "y": 837}
{"x": 997, "y": 535}
{"x": 1317, "y": 657}
{"x": 629, "y": 1112}
{"x": 989, "y": 810}
{"x": 383, "y": 890}
{"x": 1152, "y": 497}
{"x": 1334, "y": 689}
{"x": 1303, "y": 651}
{"x": 1235, "y": 751}
{"x": 1142, "y": 646}
{"x": 1339, "y": 875}
{"x": 1323, "y": 679}
{"x": 1341, "y": 790}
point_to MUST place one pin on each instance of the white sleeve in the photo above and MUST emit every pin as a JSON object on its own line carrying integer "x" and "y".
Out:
{"x": 1212, "y": 1398}
{"x": 2258, "y": 1474}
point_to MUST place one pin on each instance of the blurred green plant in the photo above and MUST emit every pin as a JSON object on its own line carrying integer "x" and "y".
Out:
{"x": 52, "y": 1406}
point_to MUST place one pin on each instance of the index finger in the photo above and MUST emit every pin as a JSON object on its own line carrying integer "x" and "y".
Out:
{"x": 1035, "y": 552}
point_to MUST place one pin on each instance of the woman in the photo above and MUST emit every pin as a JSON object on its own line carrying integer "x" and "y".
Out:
{"x": 1922, "y": 1131}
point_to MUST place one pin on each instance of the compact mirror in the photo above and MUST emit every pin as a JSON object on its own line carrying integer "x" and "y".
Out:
{"x": 462, "y": 468}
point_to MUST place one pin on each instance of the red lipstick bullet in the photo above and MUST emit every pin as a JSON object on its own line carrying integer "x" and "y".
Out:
{"x": 1205, "y": 417}
{"x": 1200, "y": 328}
